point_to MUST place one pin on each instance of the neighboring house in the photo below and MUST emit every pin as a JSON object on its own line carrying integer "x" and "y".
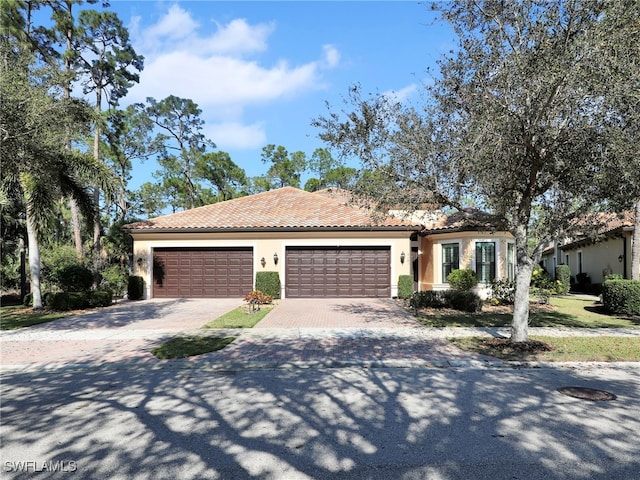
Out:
{"x": 319, "y": 244}
{"x": 608, "y": 253}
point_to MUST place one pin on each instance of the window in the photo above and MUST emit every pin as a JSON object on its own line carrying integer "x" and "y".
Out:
{"x": 511, "y": 261}
{"x": 450, "y": 259}
{"x": 579, "y": 262}
{"x": 485, "y": 261}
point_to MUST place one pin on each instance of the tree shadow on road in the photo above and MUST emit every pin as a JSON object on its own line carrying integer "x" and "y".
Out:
{"x": 178, "y": 421}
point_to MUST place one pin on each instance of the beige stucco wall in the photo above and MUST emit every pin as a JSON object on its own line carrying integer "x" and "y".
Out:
{"x": 266, "y": 244}
{"x": 600, "y": 258}
{"x": 431, "y": 255}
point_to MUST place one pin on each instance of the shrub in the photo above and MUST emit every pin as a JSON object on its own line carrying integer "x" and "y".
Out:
{"x": 463, "y": 300}
{"x": 135, "y": 288}
{"x": 428, "y": 299}
{"x": 257, "y": 297}
{"x": 503, "y": 292}
{"x": 70, "y": 301}
{"x": 74, "y": 278}
{"x": 466, "y": 301}
{"x": 464, "y": 279}
{"x": 621, "y": 296}
{"x": 102, "y": 297}
{"x": 405, "y": 286}
{"x": 268, "y": 283}
{"x": 59, "y": 301}
{"x": 563, "y": 277}
{"x": 115, "y": 278}
{"x": 56, "y": 258}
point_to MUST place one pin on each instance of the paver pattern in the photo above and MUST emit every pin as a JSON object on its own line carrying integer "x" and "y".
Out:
{"x": 297, "y": 332}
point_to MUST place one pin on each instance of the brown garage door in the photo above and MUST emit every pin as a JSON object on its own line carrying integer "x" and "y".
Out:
{"x": 338, "y": 272}
{"x": 202, "y": 272}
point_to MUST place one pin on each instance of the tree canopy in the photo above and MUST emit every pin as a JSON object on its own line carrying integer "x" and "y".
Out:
{"x": 516, "y": 119}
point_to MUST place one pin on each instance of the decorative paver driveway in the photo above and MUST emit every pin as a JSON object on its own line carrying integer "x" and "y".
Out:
{"x": 369, "y": 313}
{"x": 118, "y": 333}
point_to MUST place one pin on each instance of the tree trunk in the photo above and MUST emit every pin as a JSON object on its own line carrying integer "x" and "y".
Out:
{"x": 34, "y": 260}
{"x": 77, "y": 228}
{"x": 520, "y": 322}
{"x": 97, "y": 224}
{"x": 635, "y": 245}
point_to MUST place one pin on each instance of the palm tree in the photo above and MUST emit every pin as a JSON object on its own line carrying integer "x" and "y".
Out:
{"x": 37, "y": 170}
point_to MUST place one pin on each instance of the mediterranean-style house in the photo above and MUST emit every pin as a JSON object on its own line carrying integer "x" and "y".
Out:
{"x": 320, "y": 245}
{"x": 607, "y": 253}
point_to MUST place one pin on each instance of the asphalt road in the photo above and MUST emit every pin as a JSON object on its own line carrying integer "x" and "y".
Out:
{"x": 180, "y": 422}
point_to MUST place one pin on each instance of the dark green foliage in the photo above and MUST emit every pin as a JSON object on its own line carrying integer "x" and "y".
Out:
{"x": 102, "y": 297}
{"x": 64, "y": 301}
{"x": 463, "y": 279}
{"x": 621, "y": 296}
{"x": 463, "y": 300}
{"x": 135, "y": 288}
{"x": 268, "y": 283}
{"x": 563, "y": 274}
{"x": 28, "y": 300}
{"x": 428, "y": 299}
{"x": 74, "y": 278}
{"x": 115, "y": 278}
{"x": 405, "y": 286}
{"x": 503, "y": 292}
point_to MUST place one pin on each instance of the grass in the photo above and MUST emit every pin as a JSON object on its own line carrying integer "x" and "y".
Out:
{"x": 19, "y": 316}
{"x": 565, "y": 312}
{"x": 562, "y": 349}
{"x": 188, "y": 346}
{"x": 239, "y": 318}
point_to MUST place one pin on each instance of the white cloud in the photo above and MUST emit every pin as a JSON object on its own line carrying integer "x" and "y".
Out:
{"x": 403, "y": 94}
{"x": 221, "y": 70}
{"x": 233, "y": 135}
{"x": 331, "y": 56}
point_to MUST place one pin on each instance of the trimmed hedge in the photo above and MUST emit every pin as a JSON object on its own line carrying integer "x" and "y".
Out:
{"x": 621, "y": 296}
{"x": 466, "y": 301}
{"x": 563, "y": 275}
{"x": 428, "y": 299}
{"x": 463, "y": 279}
{"x": 405, "y": 286}
{"x": 268, "y": 283}
{"x": 135, "y": 288}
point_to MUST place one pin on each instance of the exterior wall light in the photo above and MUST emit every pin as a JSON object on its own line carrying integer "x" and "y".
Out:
{"x": 139, "y": 262}
{"x": 620, "y": 258}
{"x": 263, "y": 262}
{"x": 402, "y": 257}
{"x": 275, "y": 258}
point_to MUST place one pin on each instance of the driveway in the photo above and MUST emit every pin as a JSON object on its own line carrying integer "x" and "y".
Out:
{"x": 119, "y": 333}
{"x": 349, "y": 313}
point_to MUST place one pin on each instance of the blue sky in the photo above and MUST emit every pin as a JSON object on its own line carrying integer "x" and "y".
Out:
{"x": 261, "y": 71}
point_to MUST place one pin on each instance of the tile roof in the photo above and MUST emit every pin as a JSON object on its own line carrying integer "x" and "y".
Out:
{"x": 464, "y": 220}
{"x": 284, "y": 208}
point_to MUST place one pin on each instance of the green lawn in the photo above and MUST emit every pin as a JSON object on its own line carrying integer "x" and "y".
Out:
{"x": 567, "y": 312}
{"x": 563, "y": 349}
{"x": 19, "y": 316}
{"x": 188, "y": 346}
{"x": 239, "y": 318}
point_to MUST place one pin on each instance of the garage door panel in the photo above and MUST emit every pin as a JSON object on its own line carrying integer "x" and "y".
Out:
{"x": 338, "y": 272}
{"x": 202, "y": 272}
